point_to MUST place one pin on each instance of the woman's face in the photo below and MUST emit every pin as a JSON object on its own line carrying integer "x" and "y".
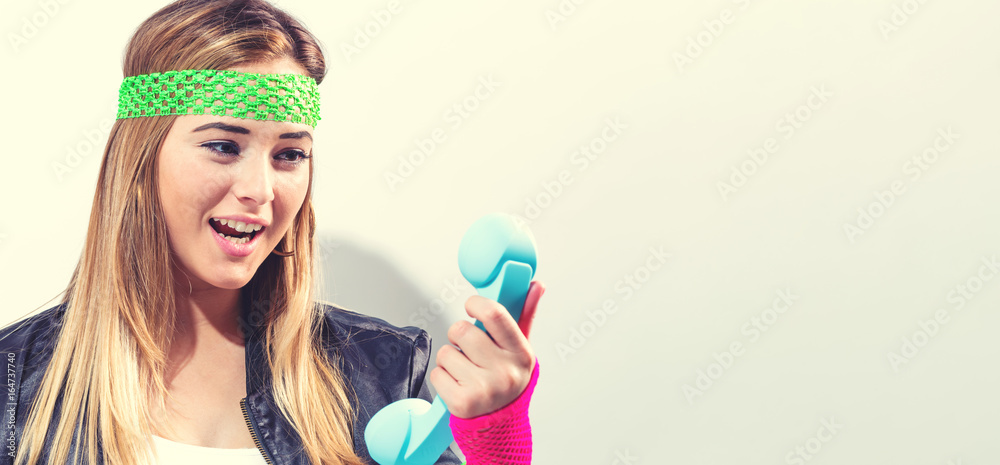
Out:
{"x": 245, "y": 179}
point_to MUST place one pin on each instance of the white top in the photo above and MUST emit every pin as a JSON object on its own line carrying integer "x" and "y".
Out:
{"x": 176, "y": 453}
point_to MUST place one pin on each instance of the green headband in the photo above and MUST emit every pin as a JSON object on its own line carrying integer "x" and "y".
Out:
{"x": 268, "y": 97}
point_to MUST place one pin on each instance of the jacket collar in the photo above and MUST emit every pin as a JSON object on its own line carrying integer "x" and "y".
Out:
{"x": 275, "y": 436}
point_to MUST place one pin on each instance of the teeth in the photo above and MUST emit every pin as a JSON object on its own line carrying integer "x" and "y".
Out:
{"x": 239, "y": 225}
{"x": 234, "y": 240}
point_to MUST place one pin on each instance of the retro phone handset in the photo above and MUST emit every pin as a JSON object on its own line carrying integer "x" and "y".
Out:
{"x": 497, "y": 256}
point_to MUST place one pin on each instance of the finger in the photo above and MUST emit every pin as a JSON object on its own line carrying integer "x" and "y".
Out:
{"x": 535, "y": 293}
{"x": 475, "y": 344}
{"x": 461, "y": 369}
{"x": 443, "y": 383}
{"x": 498, "y": 322}
{"x": 455, "y": 397}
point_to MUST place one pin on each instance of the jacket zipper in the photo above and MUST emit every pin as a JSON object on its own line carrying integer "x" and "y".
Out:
{"x": 253, "y": 432}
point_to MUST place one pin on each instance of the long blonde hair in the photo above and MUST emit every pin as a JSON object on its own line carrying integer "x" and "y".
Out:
{"x": 111, "y": 347}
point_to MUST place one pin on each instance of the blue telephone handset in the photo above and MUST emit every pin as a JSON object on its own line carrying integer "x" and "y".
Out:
{"x": 497, "y": 256}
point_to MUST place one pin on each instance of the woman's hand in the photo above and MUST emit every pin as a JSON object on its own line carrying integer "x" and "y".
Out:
{"x": 483, "y": 375}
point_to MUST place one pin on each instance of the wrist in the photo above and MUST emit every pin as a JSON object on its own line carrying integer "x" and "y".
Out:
{"x": 501, "y": 436}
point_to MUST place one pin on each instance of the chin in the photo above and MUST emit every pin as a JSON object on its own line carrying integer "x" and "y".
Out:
{"x": 231, "y": 277}
{"x": 235, "y": 282}
{"x": 227, "y": 276}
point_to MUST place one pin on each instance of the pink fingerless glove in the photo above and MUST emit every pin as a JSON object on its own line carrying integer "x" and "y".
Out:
{"x": 502, "y": 437}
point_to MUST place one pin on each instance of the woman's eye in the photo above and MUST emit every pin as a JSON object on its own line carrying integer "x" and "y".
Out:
{"x": 293, "y": 156}
{"x": 226, "y": 148}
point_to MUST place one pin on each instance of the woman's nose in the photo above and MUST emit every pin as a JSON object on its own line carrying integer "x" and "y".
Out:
{"x": 255, "y": 182}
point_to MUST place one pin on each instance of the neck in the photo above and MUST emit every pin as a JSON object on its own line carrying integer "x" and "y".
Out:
{"x": 211, "y": 313}
{"x": 205, "y": 312}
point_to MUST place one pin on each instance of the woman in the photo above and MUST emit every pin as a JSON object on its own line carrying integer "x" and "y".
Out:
{"x": 189, "y": 324}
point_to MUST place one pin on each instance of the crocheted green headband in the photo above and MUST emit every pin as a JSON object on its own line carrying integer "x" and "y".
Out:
{"x": 268, "y": 97}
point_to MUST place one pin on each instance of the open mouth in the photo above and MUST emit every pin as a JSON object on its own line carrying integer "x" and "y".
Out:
{"x": 234, "y": 231}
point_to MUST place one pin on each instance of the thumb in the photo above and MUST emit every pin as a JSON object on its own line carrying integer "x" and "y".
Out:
{"x": 535, "y": 292}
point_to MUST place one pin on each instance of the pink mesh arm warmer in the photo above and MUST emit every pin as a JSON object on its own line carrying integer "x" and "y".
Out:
{"x": 502, "y": 437}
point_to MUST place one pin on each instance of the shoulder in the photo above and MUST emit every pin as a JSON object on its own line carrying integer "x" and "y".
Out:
{"x": 371, "y": 347}
{"x": 32, "y": 332}
{"x": 381, "y": 362}
{"x": 350, "y": 326}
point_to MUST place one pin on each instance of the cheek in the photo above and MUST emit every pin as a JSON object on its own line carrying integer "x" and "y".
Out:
{"x": 290, "y": 193}
{"x": 187, "y": 191}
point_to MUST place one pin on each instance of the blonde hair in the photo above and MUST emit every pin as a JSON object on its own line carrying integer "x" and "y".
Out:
{"x": 112, "y": 344}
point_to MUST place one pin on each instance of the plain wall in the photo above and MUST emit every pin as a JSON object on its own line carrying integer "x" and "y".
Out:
{"x": 786, "y": 285}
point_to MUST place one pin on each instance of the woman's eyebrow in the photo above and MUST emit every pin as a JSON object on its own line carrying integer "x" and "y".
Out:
{"x": 224, "y": 127}
{"x": 243, "y": 130}
{"x": 295, "y": 135}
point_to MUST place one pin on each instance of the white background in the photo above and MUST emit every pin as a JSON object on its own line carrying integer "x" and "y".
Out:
{"x": 615, "y": 392}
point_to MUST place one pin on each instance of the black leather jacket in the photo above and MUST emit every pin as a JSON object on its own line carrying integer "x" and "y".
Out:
{"x": 381, "y": 363}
